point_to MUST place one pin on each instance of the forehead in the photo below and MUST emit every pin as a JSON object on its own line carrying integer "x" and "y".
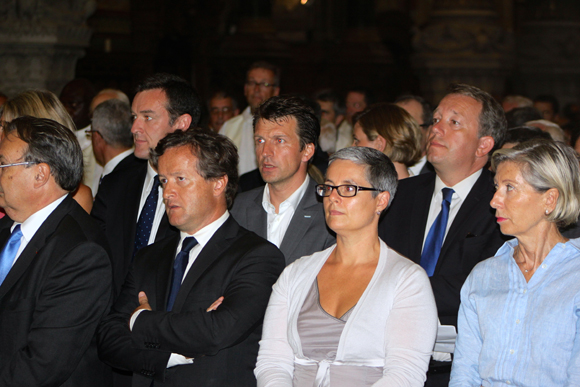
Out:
{"x": 325, "y": 105}
{"x": 355, "y": 96}
{"x": 154, "y": 100}
{"x": 12, "y": 147}
{"x": 218, "y": 101}
{"x": 178, "y": 159}
{"x": 261, "y": 74}
{"x": 463, "y": 105}
{"x": 345, "y": 171}
{"x": 282, "y": 126}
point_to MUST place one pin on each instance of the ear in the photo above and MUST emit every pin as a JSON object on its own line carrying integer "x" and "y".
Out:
{"x": 42, "y": 174}
{"x": 219, "y": 185}
{"x": 484, "y": 146}
{"x": 382, "y": 200}
{"x": 276, "y": 91}
{"x": 551, "y": 198}
{"x": 183, "y": 122}
{"x": 380, "y": 143}
{"x": 308, "y": 152}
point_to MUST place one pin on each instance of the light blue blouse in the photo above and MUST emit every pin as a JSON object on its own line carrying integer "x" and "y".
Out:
{"x": 518, "y": 333}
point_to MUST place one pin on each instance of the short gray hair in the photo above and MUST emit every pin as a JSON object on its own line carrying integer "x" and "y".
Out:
{"x": 379, "y": 169}
{"x": 547, "y": 164}
{"x": 112, "y": 119}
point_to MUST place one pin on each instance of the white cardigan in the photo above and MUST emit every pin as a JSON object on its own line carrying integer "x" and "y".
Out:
{"x": 393, "y": 325}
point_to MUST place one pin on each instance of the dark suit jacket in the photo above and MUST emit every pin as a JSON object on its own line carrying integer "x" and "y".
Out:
{"x": 51, "y": 302}
{"x": 116, "y": 207}
{"x": 473, "y": 236}
{"x": 236, "y": 264}
{"x": 307, "y": 232}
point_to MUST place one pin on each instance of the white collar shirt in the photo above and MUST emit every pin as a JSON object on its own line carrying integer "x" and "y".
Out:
{"x": 461, "y": 189}
{"x": 278, "y": 222}
{"x": 416, "y": 169}
{"x": 160, "y": 210}
{"x": 109, "y": 167}
{"x": 31, "y": 225}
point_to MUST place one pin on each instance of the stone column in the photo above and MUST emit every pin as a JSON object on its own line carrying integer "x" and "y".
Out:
{"x": 40, "y": 42}
{"x": 464, "y": 41}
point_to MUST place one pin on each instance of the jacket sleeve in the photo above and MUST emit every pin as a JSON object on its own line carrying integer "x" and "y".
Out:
{"x": 275, "y": 367}
{"x": 75, "y": 295}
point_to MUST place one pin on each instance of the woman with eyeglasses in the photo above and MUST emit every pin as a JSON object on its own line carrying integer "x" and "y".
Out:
{"x": 44, "y": 104}
{"x": 358, "y": 313}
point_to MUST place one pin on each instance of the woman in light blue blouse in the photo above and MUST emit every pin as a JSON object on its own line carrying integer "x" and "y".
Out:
{"x": 519, "y": 319}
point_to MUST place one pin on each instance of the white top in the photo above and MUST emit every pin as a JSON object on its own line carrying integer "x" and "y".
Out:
{"x": 240, "y": 130}
{"x": 393, "y": 325}
{"x": 109, "y": 167}
{"x": 31, "y": 225}
{"x": 344, "y": 136}
{"x": 416, "y": 169}
{"x": 160, "y": 210}
{"x": 91, "y": 169}
{"x": 461, "y": 189}
{"x": 278, "y": 222}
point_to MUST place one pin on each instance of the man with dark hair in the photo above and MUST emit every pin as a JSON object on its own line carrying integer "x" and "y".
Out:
{"x": 129, "y": 204}
{"x": 548, "y": 107}
{"x": 286, "y": 211}
{"x": 519, "y": 116}
{"x": 443, "y": 220}
{"x": 166, "y": 326}
{"x": 421, "y": 111}
{"x": 262, "y": 82}
{"x": 111, "y": 136}
{"x": 55, "y": 273}
{"x": 222, "y": 106}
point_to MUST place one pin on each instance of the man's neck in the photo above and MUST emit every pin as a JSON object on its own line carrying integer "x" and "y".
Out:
{"x": 279, "y": 192}
{"x": 111, "y": 153}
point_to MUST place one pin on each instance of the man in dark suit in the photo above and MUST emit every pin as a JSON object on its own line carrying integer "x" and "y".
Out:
{"x": 55, "y": 273}
{"x": 129, "y": 205}
{"x": 286, "y": 210}
{"x": 443, "y": 221}
{"x": 178, "y": 335}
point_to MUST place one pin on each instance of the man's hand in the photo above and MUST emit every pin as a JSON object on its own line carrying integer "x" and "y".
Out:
{"x": 143, "y": 302}
{"x": 213, "y": 306}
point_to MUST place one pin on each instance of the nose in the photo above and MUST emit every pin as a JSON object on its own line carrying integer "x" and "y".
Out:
{"x": 168, "y": 191}
{"x": 136, "y": 127}
{"x": 496, "y": 200}
{"x": 267, "y": 149}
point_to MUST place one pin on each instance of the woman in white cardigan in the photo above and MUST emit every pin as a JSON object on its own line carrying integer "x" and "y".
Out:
{"x": 358, "y": 313}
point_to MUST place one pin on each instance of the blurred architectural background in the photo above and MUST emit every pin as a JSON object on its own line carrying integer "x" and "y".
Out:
{"x": 526, "y": 47}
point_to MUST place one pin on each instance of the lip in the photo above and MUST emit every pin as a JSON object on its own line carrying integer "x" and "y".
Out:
{"x": 499, "y": 219}
{"x": 436, "y": 144}
{"x": 335, "y": 212}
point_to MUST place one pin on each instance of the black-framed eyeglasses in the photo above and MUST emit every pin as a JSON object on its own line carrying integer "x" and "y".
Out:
{"x": 262, "y": 85}
{"x": 89, "y": 132}
{"x": 345, "y": 190}
{"x": 15, "y": 164}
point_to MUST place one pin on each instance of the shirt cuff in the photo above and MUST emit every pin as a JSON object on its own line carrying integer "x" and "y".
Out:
{"x": 134, "y": 317}
{"x": 175, "y": 360}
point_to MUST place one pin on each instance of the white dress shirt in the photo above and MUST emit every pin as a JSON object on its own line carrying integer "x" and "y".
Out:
{"x": 344, "y": 136}
{"x": 160, "y": 210}
{"x": 202, "y": 236}
{"x": 461, "y": 189}
{"x": 416, "y": 169}
{"x": 31, "y": 225}
{"x": 240, "y": 130}
{"x": 91, "y": 169}
{"x": 278, "y": 222}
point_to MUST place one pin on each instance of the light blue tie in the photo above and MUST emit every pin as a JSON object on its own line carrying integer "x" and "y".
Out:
{"x": 436, "y": 235}
{"x": 9, "y": 252}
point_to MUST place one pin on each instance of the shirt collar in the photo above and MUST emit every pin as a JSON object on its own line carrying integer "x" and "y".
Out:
{"x": 108, "y": 168}
{"x": 204, "y": 235}
{"x": 292, "y": 201}
{"x": 247, "y": 114}
{"x": 462, "y": 188}
{"x": 31, "y": 225}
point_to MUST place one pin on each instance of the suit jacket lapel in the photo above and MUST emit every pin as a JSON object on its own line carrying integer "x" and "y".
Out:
{"x": 132, "y": 202}
{"x": 219, "y": 242}
{"x": 164, "y": 271}
{"x": 419, "y": 215}
{"x": 256, "y": 215}
{"x": 300, "y": 221}
{"x": 36, "y": 243}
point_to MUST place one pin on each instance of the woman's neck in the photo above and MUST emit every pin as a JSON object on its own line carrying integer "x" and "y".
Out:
{"x": 402, "y": 170}
{"x": 532, "y": 250}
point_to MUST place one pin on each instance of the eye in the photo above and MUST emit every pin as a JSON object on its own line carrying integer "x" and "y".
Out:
{"x": 349, "y": 188}
{"x": 455, "y": 122}
{"x": 280, "y": 140}
{"x": 133, "y": 117}
{"x": 148, "y": 118}
{"x": 509, "y": 187}
{"x": 259, "y": 140}
{"x": 180, "y": 178}
{"x": 435, "y": 120}
{"x": 495, "y": 186}
{"x": 163, "y": 180}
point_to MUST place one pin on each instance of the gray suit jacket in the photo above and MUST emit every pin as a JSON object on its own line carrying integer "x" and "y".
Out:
{"x": 307, "y": 232}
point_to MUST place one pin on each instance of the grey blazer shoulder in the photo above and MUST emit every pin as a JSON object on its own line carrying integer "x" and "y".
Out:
{"x": 307, "y": 232}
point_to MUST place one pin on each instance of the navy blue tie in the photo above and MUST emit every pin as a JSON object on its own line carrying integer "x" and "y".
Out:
{"x": 9, "y": 252}
{"x": 145, "y": 222}
{"x": 436, "y": 235}
{"x": 179, "y": 266}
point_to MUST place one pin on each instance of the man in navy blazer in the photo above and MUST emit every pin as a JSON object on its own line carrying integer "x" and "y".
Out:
{"x": 467, "y": 125}
{"x": 286, "y": 211}
{"x": 56, "y": 285}
{"x": 191, "y": 309}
